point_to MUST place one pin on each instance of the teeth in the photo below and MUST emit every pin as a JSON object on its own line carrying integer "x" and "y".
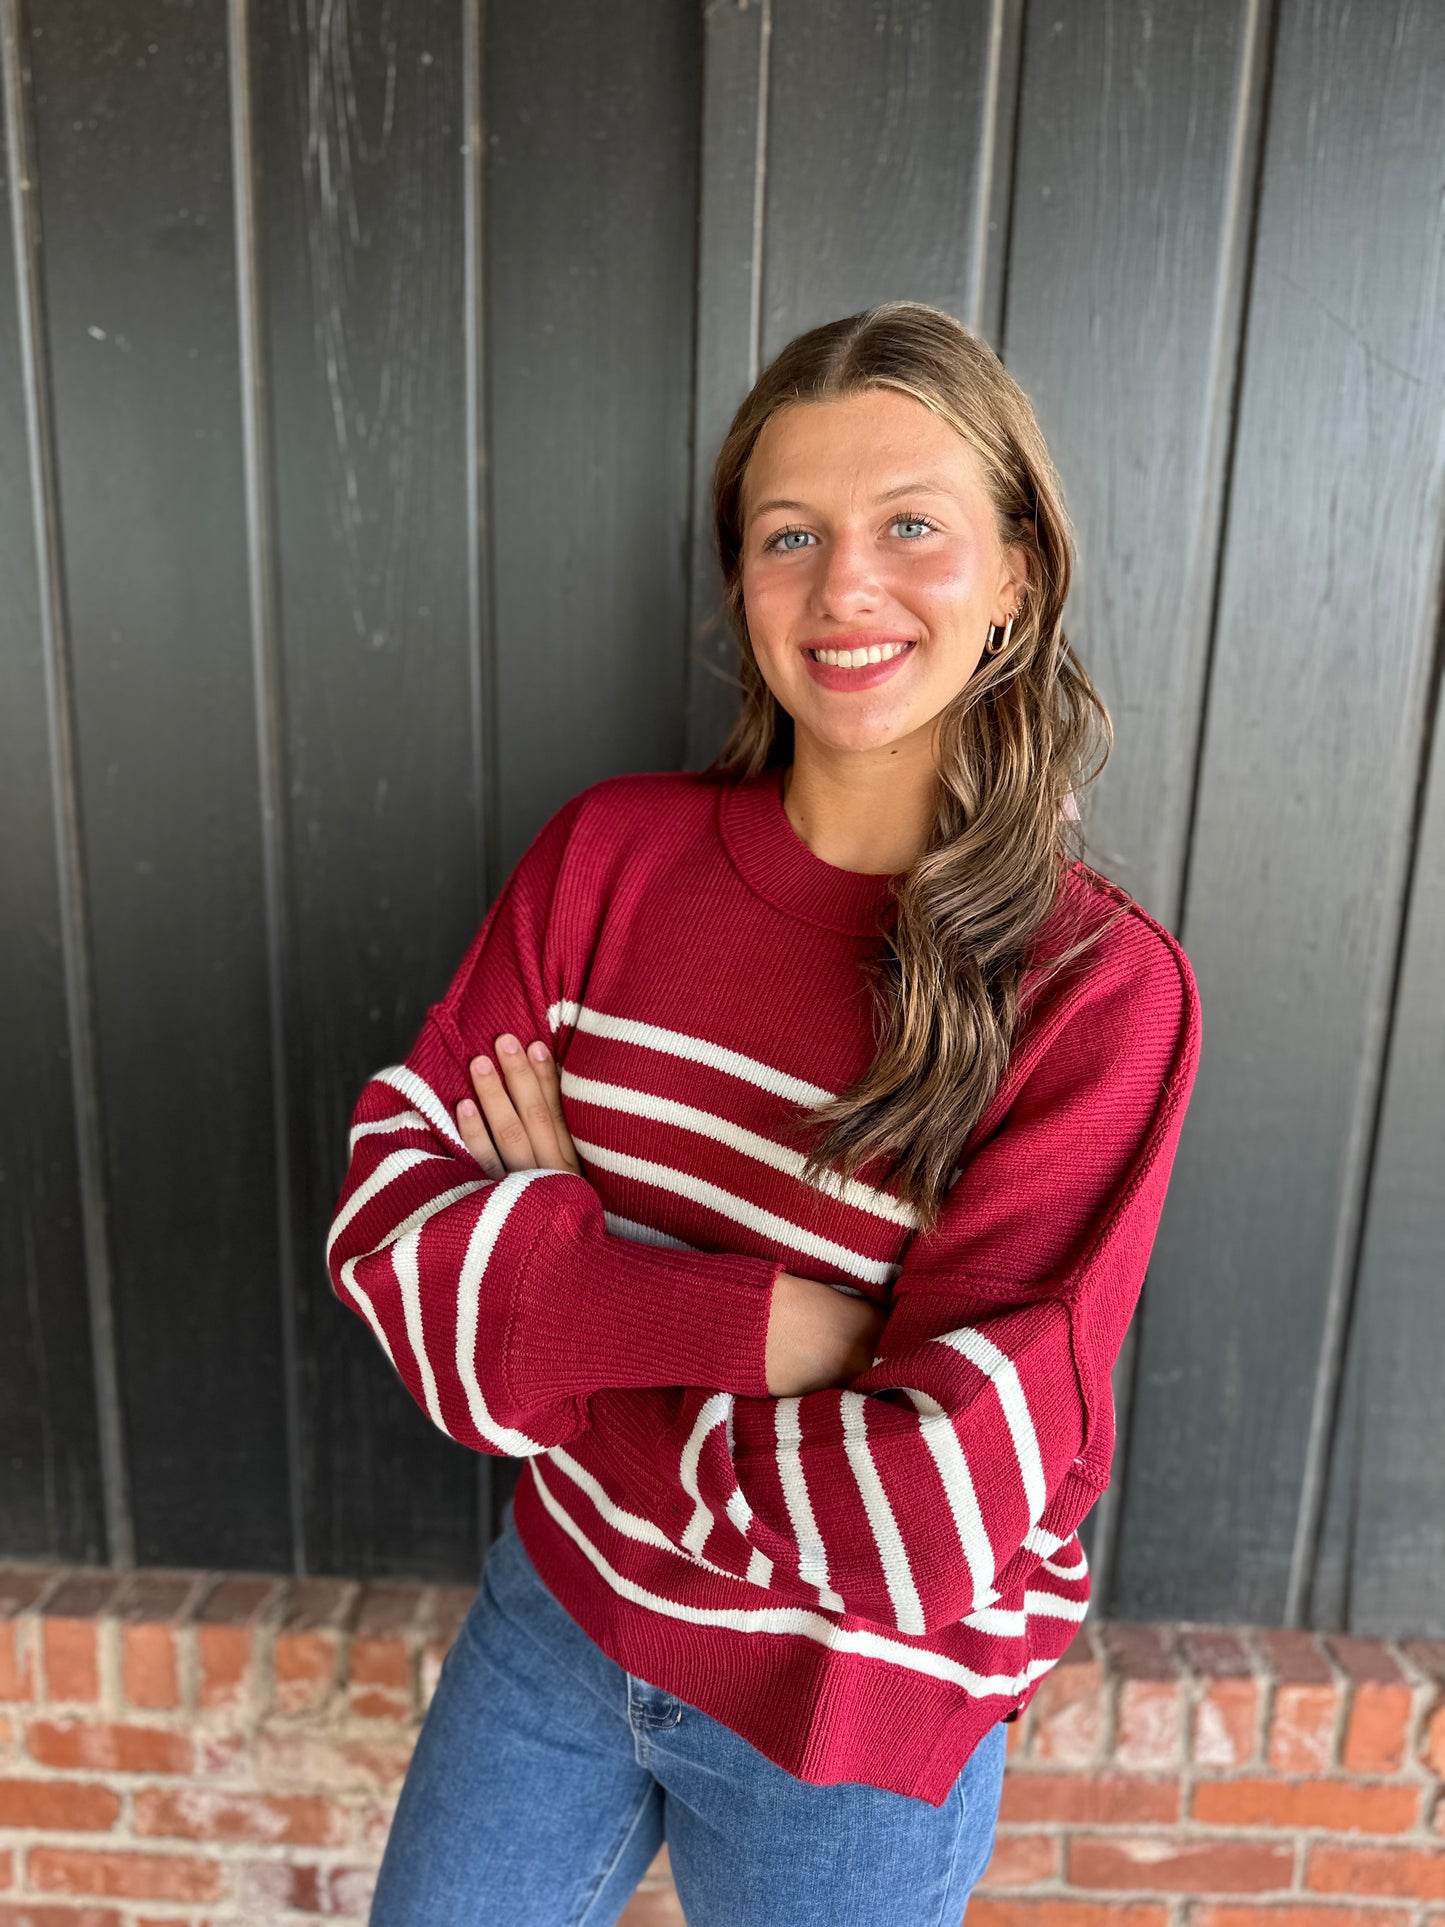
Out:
{"x": 857, "y": 658}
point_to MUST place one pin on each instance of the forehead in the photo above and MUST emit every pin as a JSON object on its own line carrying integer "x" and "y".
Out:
{"x": 865, "y": 447}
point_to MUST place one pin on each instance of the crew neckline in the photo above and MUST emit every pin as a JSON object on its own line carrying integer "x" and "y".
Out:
{"x": 777, "y": 865}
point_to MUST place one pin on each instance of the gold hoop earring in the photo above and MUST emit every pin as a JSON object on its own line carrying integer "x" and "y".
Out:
{"x": 997, "y": 643}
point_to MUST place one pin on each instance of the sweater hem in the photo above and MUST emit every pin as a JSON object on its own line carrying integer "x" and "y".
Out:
{"x": 827, "y": 1719}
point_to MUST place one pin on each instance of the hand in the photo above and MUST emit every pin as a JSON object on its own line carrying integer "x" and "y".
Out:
{"x": 818, "y": 1337}
{"x": 520, "y": 1126}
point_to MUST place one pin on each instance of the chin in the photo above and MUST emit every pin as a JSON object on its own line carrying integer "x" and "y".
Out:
{"x": 856, "y": 737}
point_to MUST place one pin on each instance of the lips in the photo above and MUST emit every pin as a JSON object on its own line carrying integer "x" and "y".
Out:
{"x": 859, "y": 660}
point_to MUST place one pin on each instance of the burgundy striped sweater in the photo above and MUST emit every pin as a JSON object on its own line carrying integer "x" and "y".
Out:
{"x": 859, "y": 1581}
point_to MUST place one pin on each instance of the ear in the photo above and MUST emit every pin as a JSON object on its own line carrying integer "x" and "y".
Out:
{"x": 1013, "y": 580}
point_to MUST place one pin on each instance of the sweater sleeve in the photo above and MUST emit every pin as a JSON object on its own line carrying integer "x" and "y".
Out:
{"x": 913, "y": 1498}
{"x": 455, "y": 1273}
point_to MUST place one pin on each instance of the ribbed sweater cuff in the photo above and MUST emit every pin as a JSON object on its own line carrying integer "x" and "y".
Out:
{"x": 604, "y": 1312}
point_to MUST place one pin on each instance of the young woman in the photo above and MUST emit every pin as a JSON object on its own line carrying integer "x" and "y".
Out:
{"x": 777, "y": 1178}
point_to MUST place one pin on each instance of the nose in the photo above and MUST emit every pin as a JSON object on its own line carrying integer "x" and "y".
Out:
{"x": 845, "y": 581}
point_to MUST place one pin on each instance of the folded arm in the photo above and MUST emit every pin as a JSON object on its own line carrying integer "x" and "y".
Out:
{"x": 913, "y": 1496}
{"x": 501, "y": 1298}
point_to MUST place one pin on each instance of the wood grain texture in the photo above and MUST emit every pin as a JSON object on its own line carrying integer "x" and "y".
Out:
{"x": 850, "y": 155}
{"x": 51, "y": 1497}
{"x": 884, "y": 136}
{"x": 1133, "y": 190}
{"x": 736, "y": 54}
{"x": 1382, "y": 1557}
{"x": 1131, "y": 214}
{"x": 1306, "y": 795}
{"x": 360, "y": 123}
{"x": 134, "y": 193}
{"x": 591, "y": 194}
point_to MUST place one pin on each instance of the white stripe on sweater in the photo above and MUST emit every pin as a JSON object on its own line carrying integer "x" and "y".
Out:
{"x": 812, "y": 1558}
{"x": 694, "y": 1050}
{"x": 480, "y": 1245}
{"x": 766, "y": 1223}
{"x": 948, "y": 1455}
{"x": 760, "y": 1569}
{"x": 642, "y": 1234}
{"x": 398, "y": 1121}
{"x": 714, "y": 1411}
{"x": 781, "y": 1157}
{"x": 1002, "y": 1374}
{"x": 892, "y": 1553}
{"x": 406, "y": 1241}
{"x": 750, "y": 1143}
{"x": 1012, "y": 1622}
{"x": 420, "y": 1094}
{"x": 369, "y": 1312}
{"x": 1043, "y": 1542}
{"x": 632, "y": 1526}
{"x": 792, "y": 1619}
{"x": 401, "y": 1230}
{"x": 391, "y": 1166}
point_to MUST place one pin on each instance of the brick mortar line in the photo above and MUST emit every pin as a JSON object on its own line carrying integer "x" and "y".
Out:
{"x": 324, "y": 1860}
{"x": 1060, "y": 1888}
{"x": 421, "y": 1627}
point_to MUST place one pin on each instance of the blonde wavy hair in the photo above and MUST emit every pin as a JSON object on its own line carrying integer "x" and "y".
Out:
{"x": 1026, "y": 733}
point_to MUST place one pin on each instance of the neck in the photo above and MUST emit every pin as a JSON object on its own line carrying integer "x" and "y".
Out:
{"x": 866, "y": 810}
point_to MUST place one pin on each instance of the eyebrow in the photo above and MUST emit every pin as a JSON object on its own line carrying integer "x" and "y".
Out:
{"x": 927, "y": 485}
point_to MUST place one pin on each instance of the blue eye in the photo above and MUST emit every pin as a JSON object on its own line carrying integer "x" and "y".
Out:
{"x": 777, "y": 541}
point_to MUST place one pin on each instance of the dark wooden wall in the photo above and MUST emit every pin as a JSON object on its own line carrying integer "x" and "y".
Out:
{"x": 361, "y": 370}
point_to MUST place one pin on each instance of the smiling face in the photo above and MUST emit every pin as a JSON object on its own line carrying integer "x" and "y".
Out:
{"x": 871, "y": 568}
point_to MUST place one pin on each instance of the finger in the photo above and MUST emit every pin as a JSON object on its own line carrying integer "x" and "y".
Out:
{"x": 530, "y": 1105}
{"x": 545, "y": 1066}
{"x": 507, "y": 1131}
{"x": 474, "y": 1136}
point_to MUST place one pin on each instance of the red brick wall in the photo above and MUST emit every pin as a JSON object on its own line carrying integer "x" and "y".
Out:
{"x": 203, "y": 1748}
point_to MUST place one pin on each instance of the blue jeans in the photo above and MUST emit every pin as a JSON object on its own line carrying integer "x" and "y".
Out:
{"x": 546, "y": 1777}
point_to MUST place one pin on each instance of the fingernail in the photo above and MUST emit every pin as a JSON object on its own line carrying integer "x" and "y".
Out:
{"x": 538, "y": 1051}
{"x": 481, "y": 1066}
{"x": 508, "y": 1044}
{"x": 467, "y": 1109}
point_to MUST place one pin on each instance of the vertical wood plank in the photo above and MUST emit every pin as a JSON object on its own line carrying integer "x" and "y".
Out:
{"x": 52, "y": 1498}
{"x": 270, "y": 726}
{"x": 850, "y": 155}
{"x": 133, "y": 169}
{"x": 1306, "y": 794}
{"x": 889, "y": 128}
{"x": 736, "y": 49}
{"x": 1137, "y": 161}
{"x": 482, "y": 652}
{"x": 1385, "y": 1531}
{"x": 593, "y": 127}
{"x": 1136, "y": 171}
{"x": 588, "y": 299}
{"x": 361, "y": 124}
